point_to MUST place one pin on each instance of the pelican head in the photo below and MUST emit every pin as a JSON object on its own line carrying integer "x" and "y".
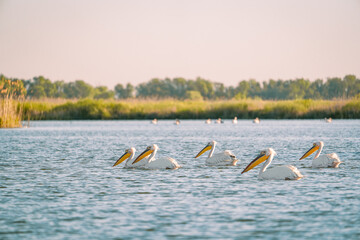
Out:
{"x": 263, "y": 156}
{"x": 149, "y": 150}
{"x": 316, "y": 146}
{"x": 208, "y": 147}
{"x": 126, "y": 155}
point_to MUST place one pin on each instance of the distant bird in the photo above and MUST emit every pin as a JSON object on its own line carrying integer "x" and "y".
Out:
{"x": 152, "y": 163}
{"x": 328, "y": 120}
{"x": 177, "y": 122}
{"x": 129, "y": 155}
{"x": 286, "y": 172}
{"x": 155, "y": 121}
{"x": 328, "y": 160}
{"x": 256, "y": 120}
{"x": 226, "y": 158}
{"x": 208, "y": 121}
{"x": 219, "y": 121}
{"x": 234, "y": 121}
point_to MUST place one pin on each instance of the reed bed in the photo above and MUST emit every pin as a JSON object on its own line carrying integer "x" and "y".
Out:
{"x": 10, "y": 113}
{"x": 11, "y": 99}
{"x": 170, "y": 109}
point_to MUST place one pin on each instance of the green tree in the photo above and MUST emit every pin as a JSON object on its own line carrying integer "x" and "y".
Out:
{"x": 122, "y": 93}
{"x": 242, "y": 90}
{"x": 102, "y": 92}
{"x": 297, "y": 89}
{"x": 193, "y": 95}
{"x": 59, "y": 85}
{"x": 352, "y": 86}
{"x": 78, "y": 89}
{"x": 41, "y": 87}
{"x": 334, "y": 88}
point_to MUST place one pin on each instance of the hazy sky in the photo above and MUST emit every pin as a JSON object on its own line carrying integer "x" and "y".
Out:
{"x": 109, "y": 42}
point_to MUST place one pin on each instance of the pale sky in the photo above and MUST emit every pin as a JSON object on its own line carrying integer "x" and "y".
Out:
{"x": 109, "y": 42}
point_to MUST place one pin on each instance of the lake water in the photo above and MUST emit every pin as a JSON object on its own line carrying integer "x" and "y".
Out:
{"x": 57, "y": 182}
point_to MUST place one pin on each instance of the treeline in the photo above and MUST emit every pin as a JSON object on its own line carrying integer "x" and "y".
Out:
{"x": 180, "y": 88}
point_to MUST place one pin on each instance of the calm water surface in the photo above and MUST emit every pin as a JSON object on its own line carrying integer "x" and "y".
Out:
{"x": 57, "y": 182}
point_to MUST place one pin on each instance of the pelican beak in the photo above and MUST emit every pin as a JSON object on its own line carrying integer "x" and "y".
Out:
{"x": 259, "y": 159}
{"x": 143, "y": 155}
{"x": 311, "y": 150}
{"x": 125, "y": 156}
{"x": 206, "y": 148}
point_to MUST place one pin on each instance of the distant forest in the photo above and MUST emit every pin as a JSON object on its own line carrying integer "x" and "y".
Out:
{"x": 180, "y": 88}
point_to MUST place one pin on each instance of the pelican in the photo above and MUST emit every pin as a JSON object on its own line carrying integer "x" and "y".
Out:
{"x": 328, "y": 160}
{"x": 328, "y": 120}
{"x": 152, "y": 163}
{"x": 286, "y": 172}
{"x": 155, "y": 121}
{"x": 208, "y": 121}
{"x": 226, "y": 158}
{"x": 256, "y": 120}
{"x": 177, "y": 122}
{"x": 219, "y": 120}
{"x": 129, "y": 155}
{"x": 234, "y": 121}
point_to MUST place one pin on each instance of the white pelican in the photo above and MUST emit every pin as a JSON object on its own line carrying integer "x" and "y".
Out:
{"x": 256, "y": 120}
{"x": 286, "y": 172}
{"x": 208, "y": 121}
{"x": 177, "y": 122}
{"x": 328, "y": 160}
{"x": 226, "y": 158}
{"x": 129, "y": 155}
{"x": 152, "y": 163}
{"x": 234, "y": 121}
{"x": 219, "y": 120}
{"x": 155, "y": 121}
{"x": 328, "y": 120}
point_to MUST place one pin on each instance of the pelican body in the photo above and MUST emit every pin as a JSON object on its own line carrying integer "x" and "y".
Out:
{"x": 152, "y": 163}
{"x": 328, "y": 120}
{"x": 235, "y": 121}
{"x": 219, "y": 121}
{"x": 129, "y": 155}
{"x": 324, "y": 161}
{"x": 226, "y": 158}
{"x": 286, "y": 172}
{"x": 208, "y": 121}
{"x": 256, "y": 120}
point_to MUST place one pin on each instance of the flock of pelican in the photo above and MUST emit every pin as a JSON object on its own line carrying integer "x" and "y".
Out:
{"x": 209, "y": 121}
{"x": 147, "y": 160}
{"x": 234, "y": 121}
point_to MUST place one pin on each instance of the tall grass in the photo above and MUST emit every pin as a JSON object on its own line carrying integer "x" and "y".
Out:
{"x": 170, "y": 109}
{"x": 10, "y": 113}
{"x": 11, "y": 98}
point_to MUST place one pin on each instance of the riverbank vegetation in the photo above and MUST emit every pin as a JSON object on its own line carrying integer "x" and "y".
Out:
{"x": 12, "y": 94}
{"x": 171, "y": 109}
{"x": 41, "y": 99}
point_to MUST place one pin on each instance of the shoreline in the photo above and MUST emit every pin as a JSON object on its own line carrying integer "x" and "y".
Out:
{"x": 132, "y": 109}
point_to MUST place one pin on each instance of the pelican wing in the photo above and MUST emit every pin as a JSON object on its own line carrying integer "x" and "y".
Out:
{"x": 286, "y": 172}
{"x": 327, "y": 160}
{"x": 162, "y": 163}
{"x": 222, "y": 159}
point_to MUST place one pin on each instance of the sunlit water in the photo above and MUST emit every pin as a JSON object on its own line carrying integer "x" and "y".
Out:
{"x": 57, "y": 182}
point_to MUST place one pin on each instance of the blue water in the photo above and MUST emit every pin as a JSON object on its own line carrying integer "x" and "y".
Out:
{"x": 57, "y": 182}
